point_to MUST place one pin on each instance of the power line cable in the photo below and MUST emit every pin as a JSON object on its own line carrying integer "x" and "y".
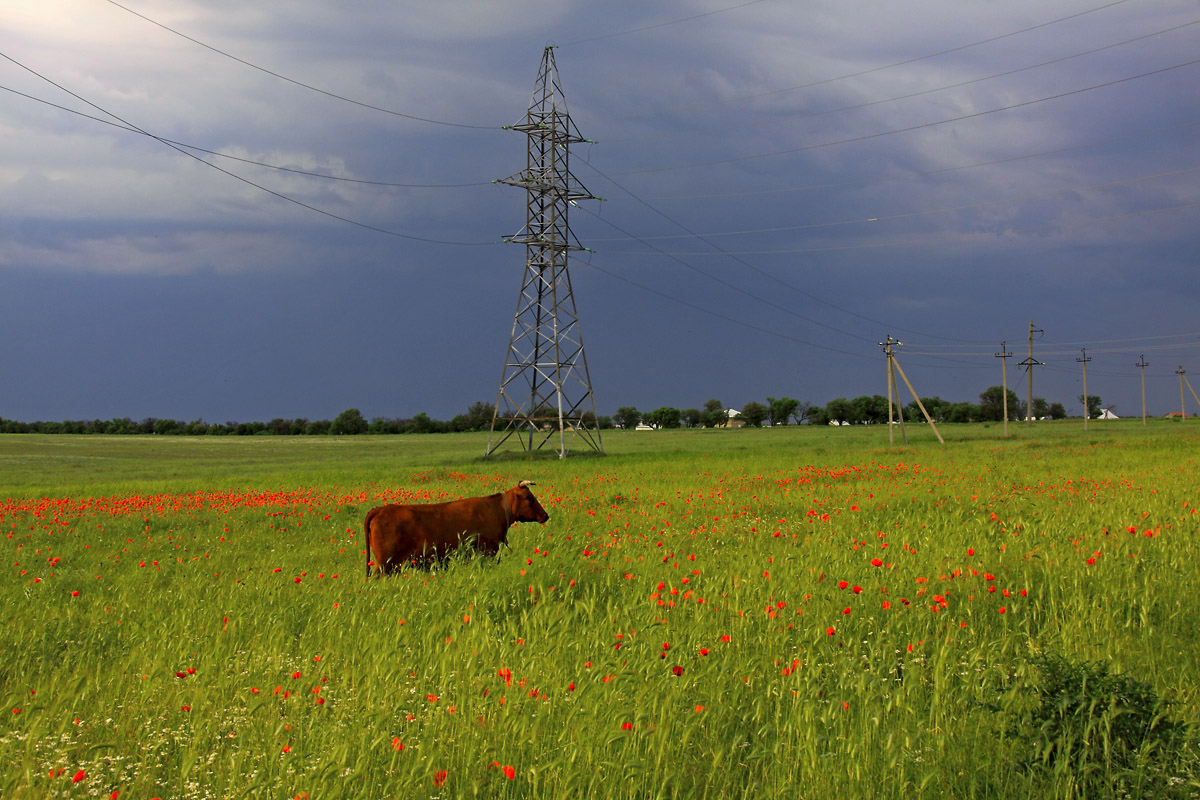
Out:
{"x": 234, "y": 175}
{"x": 907, "y": 61}
{"x": 301, "y": 84}
{"x": 927, "y": 173}
{"x": 736, "y": 288}
{"x": 788, "y": 118}
{"x": 679, "y": 301}
{"x": 660, "y": 24}
{"x": 744, "y": 263}
{"x": 197, "y": 148}
{"x": 910, "y": 128}
{"x": 911, "y": 214}
{"x": 925, "y": 241}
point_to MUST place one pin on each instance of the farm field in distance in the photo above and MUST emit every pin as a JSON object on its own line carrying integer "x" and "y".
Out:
{"x": 791, "y": 613}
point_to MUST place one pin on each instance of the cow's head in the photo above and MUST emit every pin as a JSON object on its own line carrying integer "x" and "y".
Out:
{"x": 524, "y": 506}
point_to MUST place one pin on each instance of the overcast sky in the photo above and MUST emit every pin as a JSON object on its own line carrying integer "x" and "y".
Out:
{"x": 785, "y": 183}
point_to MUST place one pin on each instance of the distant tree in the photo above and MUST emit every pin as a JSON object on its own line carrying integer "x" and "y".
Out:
{"x": 1093, "y": 405}
{"x": 479, "y": 416}
{"x": 1057, "y": 411}
{"x": 992, "y": 403}
{"x": 166, "y": 427}
{"x": 665, "y": 417}
{"x": 755, "y": 414}
{"x": 627, "y": 417}
{"x": 818, "y": 415}
{"x": 962, "y": 412}
{"x": 870, "y": 408}
{"x": 1040, "y": 408}
{"x": 604, "y": 422}
{"x": 713, "y": 414}
{"x": 318, "y": 427}
{"x": 421, "y": 423}
{"x": 839, "y": 410}
{"x": 384, "y": 425}
{"x": 280, "y": 427}
{"x": 349, "y": 423}
{"x": 298, "y": 427}
{"x": 804, "y": 412}
{"x": 689, "y": 417}
{"x": 779, "y": 409}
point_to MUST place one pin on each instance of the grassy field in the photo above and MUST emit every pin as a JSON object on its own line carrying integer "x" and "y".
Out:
{"x": 792, "y": 613}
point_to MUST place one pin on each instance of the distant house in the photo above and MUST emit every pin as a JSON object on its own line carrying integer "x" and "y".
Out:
{"x": 732, "y": 418}
{"x": 1175, "y": 415}
{"x": 641, "y": 426}
{"x": 1106, "y": 414}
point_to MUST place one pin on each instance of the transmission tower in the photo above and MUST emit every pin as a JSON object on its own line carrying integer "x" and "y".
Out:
{"x": 545, "y": 389}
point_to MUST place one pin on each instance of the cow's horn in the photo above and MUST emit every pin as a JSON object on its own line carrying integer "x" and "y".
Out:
{"x": 526, "y": 483}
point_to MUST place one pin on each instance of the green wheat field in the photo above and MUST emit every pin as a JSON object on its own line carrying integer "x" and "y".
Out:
{"x": 779, "y": 613}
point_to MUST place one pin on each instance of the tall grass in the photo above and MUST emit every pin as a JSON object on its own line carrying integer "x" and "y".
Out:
{"x": 779, "y": 613}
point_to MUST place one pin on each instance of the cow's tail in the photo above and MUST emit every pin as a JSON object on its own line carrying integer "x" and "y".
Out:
{"x": 367, "y": 539}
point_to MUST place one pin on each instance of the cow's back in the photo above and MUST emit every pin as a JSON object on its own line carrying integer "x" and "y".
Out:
{"x": 400, "y": 534}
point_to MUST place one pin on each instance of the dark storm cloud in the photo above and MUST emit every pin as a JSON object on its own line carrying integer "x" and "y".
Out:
{"x": 786, "y": 184}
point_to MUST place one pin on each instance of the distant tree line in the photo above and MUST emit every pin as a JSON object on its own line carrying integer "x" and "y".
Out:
{"x": 866, "y": 409}
{"x": 350, "y": 422}
{"x": 990, "y": 408}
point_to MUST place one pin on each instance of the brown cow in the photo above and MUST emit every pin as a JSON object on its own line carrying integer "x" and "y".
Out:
{"x": 399, "y": 534}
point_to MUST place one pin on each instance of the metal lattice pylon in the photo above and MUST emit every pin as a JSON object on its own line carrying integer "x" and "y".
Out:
{"x": 545, "y": 389}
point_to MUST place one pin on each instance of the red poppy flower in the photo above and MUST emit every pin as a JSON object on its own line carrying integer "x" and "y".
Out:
{"x": 509, "y": 772}
{"x": 876, "y": 562}
{"x": 677, "y": 670}
{"x": 78, "y": 776}
{"x": 439, "y": 777}
{"x": 830, "y": 630}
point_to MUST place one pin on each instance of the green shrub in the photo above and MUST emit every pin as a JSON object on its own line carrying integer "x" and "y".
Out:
{"x": 1093, "y": 731}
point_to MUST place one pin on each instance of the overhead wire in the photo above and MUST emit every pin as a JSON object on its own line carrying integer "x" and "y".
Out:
{"x": 301, "y": 84}
{"x": 199, "y": 149}
{"x": 237, "y": 177}
{"x": 908, "y": 128}
{"x": 908, "y": 61}
{"x": 678, "y": 257}
{"x": 725, "y": 317}
{"x": 933, "y": 239}
{"x": 658, "y": 25}
{"x": 912, "y": 214}
{"x": 928, "y": 173}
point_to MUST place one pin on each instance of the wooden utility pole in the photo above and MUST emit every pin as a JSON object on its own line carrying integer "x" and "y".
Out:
{"x": 1029, "y": 364}
{"x": 920, "y": 405}
{"x": 1183, "y": 377}
{"x": 1084, "y": 361}
{"x": 893, "y": 390}
{"x": 1142, "y": 363}
{"x": 1182, "y": 408}
{"x": 1004, "y": 355}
